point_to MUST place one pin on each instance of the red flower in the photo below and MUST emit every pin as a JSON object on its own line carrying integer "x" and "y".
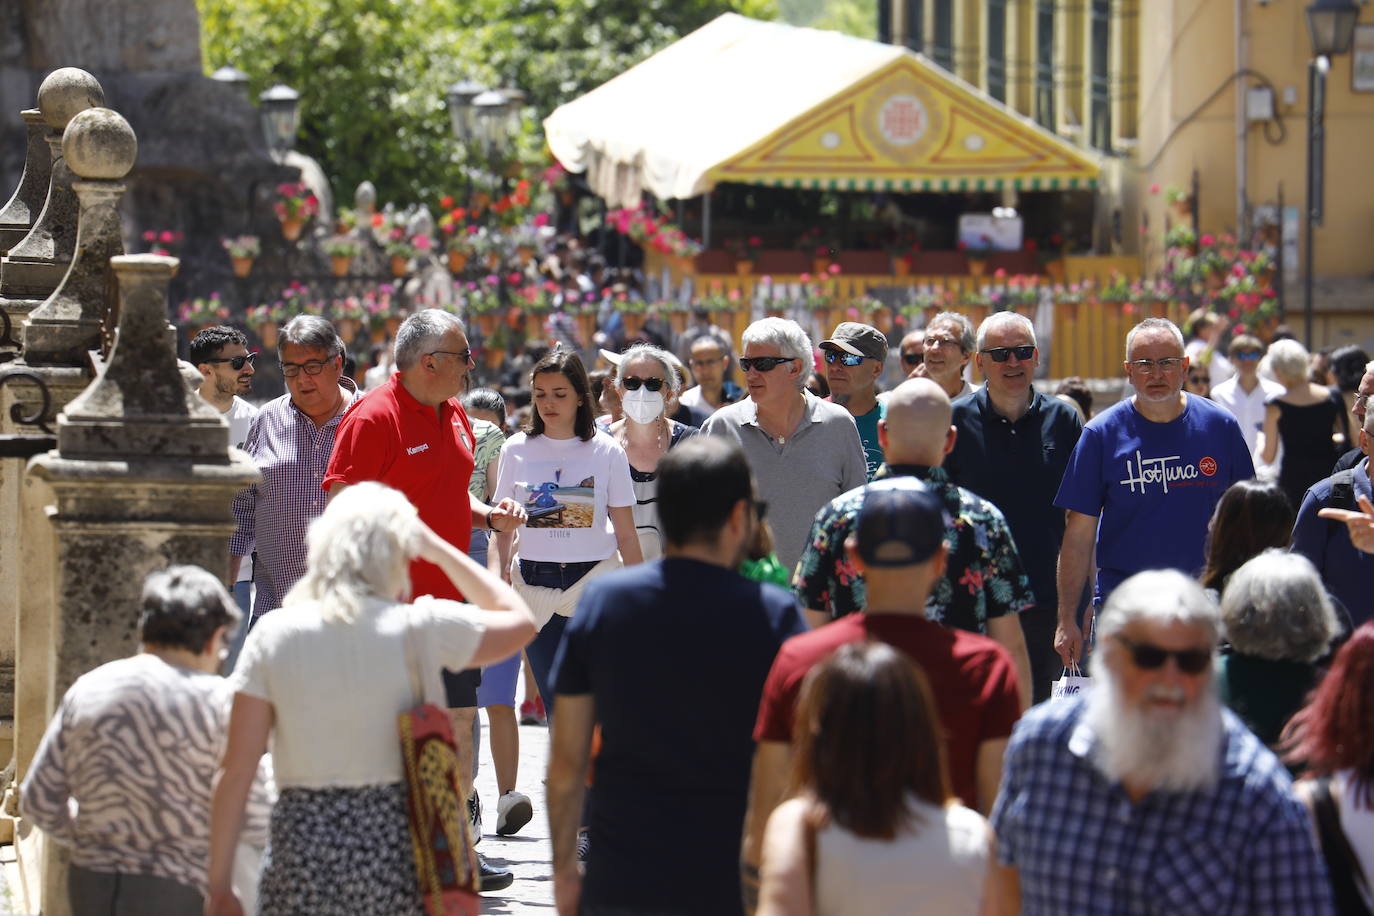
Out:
{"x": 513, "y": 279}
{"x": 1030, "y": 246}
{"x": 458, "y": 214}
{"x": 378, "y": 220}
{"x": 755, "y": 241}
{"x": 446, "y": 202}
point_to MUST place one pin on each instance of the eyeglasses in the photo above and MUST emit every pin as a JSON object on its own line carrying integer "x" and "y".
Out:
{"x": 236, "y": 362}
{"x": 311, "y": 367}
{"x": 1001, "y": 354}
{"x": 1199, "y": 380}
{"x": 942, "y": 342}
{"x": 913, "y": 359}
{"x": 706, "y": 362}
{"x": 1168, "y": 364}
{"x": 632, "y": 383}
{"x": 465, "y": 355}
{"x": 1148, "y": 657}
{"x": 849, "y": 359}
{"x": 763, "y": 363}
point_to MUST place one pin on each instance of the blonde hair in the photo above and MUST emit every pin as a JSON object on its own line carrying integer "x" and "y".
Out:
{"x": 360, "y": 548}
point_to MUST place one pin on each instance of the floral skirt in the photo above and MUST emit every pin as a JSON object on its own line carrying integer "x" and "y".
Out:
{"x": 340, "y": 852}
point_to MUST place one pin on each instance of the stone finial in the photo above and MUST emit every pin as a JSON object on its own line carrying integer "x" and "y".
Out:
{"x": 139, "y": 405}
{"x": 99, "y": 144}
{"x": 365, "y": 198}
{"x": 65, "y": 93}
{"x": 421, "y": 223}
{"x": 17, "y": 216}
{"x": 100, "y": 147}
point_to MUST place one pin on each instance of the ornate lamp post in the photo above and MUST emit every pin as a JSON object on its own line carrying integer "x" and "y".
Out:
{"x": 1331, "y": 27}
{"x": 280, "y": 111}
{"x": 232, "y": 77}
{"x": 460, "y": 111}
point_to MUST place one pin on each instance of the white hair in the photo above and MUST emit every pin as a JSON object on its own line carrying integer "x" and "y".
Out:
{"x": 421, "y": 333}
{"x": 360, "y": 548}
{"x": 1005, "y": 320}
{"x": 1288, "y": 359}
{"x": 672, "y": 374}
{"x": 1154, "y": 324}
{"x": 960, "y": 321}
{"x": 1275, "y": 607}
{"x": 1159, "y": 596}
{"x": 787, "y": 336}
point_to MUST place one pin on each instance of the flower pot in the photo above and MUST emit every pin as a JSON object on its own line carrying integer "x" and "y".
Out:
{"x": 820, "y": 267}
{"x": 291, "y": 228}
{"x": 1215, "y": 280}
{"x": 492, "y": 357}
{"x": 977, "y": 266}
{"x": 524, "y": 253}
{"x": 634, "y": 322}
{"x": 882, "y": 320}
{"x": 267, "y": 333}
{"x": 347, "y": 327}
{"x": 493, "y": 260}
{"x": 1055, "y": 270}
{"x": 586, "y": 326}
{"x": 398, "y": 265}
{"x": 901, "y": 265}
{"x": 744, "y": 268}
{"x": 242, "y": 266}
{"x": 1182, "y": 208}
{"x": 457, "y": 260}
{"x": 487, "y": 323}
{"x": 339, "y": 265}
{"x": 534, "y": 326}
{"x": 392, "y": 324}
{"x": 677, "y": 320}
{"x": 776, "y": 312}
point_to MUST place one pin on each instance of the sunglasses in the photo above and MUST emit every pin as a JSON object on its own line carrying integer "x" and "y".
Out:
{"x": 763, "y": 363}
{"x": 1001, "y": 354}
{"x": 1199, "y": 380}
{"x": 236, "y": 362}
{"x": 849, "y": 359}
{"x": 1148, "y": 657}
{"x": 1252, "y": 354}
{"x": 913, "y": 359}
{"x": 632, "y": 383}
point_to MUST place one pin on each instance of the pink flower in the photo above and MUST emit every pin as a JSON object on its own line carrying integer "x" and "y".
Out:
{"x": 541, "y": 219}
{"x": 833, "y": 268}
{"x": 805, "y": 278}
{"x": 1000, "y": 272}
{"x": 1207, "y": 240}
{"x": 150, "y": 236}
{"x": 1154, "y": 188}
{"x": 766, "y": 279}
{"x": 755, "y": 241}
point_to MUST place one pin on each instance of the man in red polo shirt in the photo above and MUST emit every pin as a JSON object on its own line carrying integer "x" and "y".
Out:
{"x": 413, "y": 435}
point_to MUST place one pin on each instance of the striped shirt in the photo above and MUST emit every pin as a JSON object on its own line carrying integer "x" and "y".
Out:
{"x": 135, "y": 744}
{"x": 274, "y": 514}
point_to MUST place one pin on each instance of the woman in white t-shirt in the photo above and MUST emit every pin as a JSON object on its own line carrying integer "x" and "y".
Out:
{"x": 872, "y": 827}
{"x": 574, "y": 483}
{"x": 325, "y": 677}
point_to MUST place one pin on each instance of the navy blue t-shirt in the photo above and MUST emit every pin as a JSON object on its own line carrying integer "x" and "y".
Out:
{"x": 1345, "y": 570}
{"x": 674, "y": 653}
{"x": 1154, "y": 485}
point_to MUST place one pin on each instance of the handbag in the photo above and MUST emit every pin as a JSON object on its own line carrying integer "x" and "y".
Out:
{"x": 1071, "y": 683}
{"x": 1348, "y": 884}
{"x": 445, "y": 860}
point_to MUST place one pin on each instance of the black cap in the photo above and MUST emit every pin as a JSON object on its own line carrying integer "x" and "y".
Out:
{"x": 901, "y": 523}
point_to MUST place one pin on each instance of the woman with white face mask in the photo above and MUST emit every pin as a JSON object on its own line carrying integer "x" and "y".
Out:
{"x": 648, "y": 384}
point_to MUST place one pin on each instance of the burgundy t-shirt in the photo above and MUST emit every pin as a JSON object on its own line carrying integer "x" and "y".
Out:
{"x": 972, "y": 677}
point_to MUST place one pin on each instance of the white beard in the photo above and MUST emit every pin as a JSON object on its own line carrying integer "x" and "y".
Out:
{"x": 1170, "y": 753}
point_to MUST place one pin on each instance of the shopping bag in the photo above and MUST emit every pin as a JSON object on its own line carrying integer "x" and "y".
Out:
{"x": 1071, "y": 683}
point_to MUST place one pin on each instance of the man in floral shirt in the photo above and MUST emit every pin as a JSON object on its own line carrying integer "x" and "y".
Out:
{"x": 984, "y": 586}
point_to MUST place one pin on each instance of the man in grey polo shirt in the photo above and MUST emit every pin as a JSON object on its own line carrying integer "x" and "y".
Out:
{"x": 803, "y": 451}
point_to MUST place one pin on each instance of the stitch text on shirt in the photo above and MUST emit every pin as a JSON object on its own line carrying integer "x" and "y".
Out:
{"x": 417, "y": 449}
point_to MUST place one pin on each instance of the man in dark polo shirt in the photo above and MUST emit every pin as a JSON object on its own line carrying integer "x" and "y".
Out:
{"x": 413, "y": 435}
{"x": 1012, "y": 448}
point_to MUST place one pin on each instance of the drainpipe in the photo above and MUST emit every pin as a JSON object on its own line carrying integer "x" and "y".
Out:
{"x": 1242, "y": 127}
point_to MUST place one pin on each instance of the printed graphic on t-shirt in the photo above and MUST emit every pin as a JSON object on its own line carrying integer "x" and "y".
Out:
{"x": 1166, "y": 472}
{"x": 558, "y": 503}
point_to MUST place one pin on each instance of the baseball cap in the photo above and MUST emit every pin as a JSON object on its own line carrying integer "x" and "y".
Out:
{"x": 901, "y": 523}
{"x": 859, "y": 339}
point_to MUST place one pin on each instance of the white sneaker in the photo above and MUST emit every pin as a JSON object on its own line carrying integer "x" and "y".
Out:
{"x": 513, "y": 811}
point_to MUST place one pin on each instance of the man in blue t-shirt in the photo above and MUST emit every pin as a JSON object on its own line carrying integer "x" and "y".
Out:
{"x": 855, "y": 355}
{"x": 669, "y": 658}
{"x": 1144, "y": 478}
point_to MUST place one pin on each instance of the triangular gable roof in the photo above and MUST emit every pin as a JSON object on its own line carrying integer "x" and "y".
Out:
{"x": 766, "y": 103}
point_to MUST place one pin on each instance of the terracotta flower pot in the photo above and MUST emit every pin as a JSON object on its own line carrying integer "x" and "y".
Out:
{"x": 291, "y": 228}
{"x": 1055, "y": 270}
{"x": 586, "y": 326}
{"x": 493, "y": 260}
{"x": 882, "y": 320}
{"x": 242, "y": 266}
{"x": 744, "y": 268}
{"x": 774, "y": 312}
{"x": 493, "y": 357}
{"x": 347, "y": 328}
{"x": 634, "y": 322}
{"x": 534, "y": 325}
{"x": 901, "y": 265}
{"x": 977, "y": 266}
{"x": 268, "y": 334}
{"x": 457, "y": 260}
{"x": 398, "y": 265}
{"x": 820, "y": 266}
{"x": 339, "y": 265}
{"x": 392, "y": 325}
{"x": 678, "y": 321}
{"x": 487, "y": 323}
{"x": 525, "y": 254}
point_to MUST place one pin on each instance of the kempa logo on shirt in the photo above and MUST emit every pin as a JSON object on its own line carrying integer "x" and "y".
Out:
{"x": 1165, "y": 471}
{"x": 417, "y": 449}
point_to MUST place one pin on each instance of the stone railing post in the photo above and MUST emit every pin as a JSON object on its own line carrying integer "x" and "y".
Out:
{"x": 17, "y": 216}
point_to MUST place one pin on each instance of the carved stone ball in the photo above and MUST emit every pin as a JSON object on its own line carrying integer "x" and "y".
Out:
{"x": 65, "y": 93}
{"x": 365, "y": 198}
{"x": 99, "y": 144}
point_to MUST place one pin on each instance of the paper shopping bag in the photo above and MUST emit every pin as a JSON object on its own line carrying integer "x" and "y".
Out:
{"x": 1071, "y": 683}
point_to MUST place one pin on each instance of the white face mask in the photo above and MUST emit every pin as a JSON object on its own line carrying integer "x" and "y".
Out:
{"x": 642, "y": 405}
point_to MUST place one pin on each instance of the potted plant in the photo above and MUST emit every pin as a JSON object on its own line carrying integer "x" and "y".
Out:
{"x": 871, "y": 310}
{"x": 294, "y": 205}
{"x": 1180, "y": 201}
{"x": 399, "y": 248}
{"x": 243, "y": 250}
{"x": 482, "y": 300}
{"x": 746, "y": 253}
{"x": 977, "y": 254}
{"x": 202, "y": 312}
{"x": 341, "y": 249}
{"x": 264, "y": 320}
{"x": 349, "y": 316}
{"x": 901, "y": 247}
{"x": 632, "y": 312}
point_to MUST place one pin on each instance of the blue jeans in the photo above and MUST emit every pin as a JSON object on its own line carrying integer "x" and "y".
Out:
{"x": 541, "y": 652}
{"x": 243, "y": 595}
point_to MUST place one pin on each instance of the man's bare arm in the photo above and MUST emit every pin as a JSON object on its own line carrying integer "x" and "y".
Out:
{"x": 1007, "y": 631}
{"x": 988, "y": 772}
{"x": 772, "y": 759}
{"x": 1075, "y": 562}
{"x": 571, "y": 744}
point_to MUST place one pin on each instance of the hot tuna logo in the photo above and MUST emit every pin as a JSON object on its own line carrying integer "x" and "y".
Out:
{"x": 1165, "y": 472}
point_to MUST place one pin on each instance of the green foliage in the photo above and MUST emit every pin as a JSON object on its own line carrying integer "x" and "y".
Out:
{"x": 372, "y": 74}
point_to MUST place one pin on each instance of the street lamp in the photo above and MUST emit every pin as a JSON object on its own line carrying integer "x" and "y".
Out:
{"x": 515, "y": 108}
{"x": 1331, "y": 27}
{"x": 460, "y": 110}
{"x": 280, "y": 111}
{"x": 234, "y": 78}
{"x": 491, "y": 121}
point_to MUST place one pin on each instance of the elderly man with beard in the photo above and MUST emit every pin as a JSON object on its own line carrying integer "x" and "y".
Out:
{"x": 1146, "y": 795}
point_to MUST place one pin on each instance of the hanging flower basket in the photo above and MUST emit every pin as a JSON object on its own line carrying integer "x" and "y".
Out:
{"x": 586, "y": 326}
{"x": 291, "y": 229}
{"x": 242, "y": 266}
{"x": 487, "y": 323}
{"x": 392, "y": 325}
{"x": 493, "y": 357}
{"x": 744, "y": 268}
{"x": 677, "y": 319}
{"x": 268, "y": 334}
{"x": 901, "y": 265}
{"x": 398, "y": 265}
{"x": 457, "y": 260}
{"x": 1055, "y": 270}
{"x": 347, "y": 328}
{"x": 340, "y": 265}
{"x": 525, "y": 254}
{"x": 634, "y": 322}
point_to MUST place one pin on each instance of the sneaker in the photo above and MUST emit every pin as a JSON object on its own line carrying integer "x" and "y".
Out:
{"x": 491, "y": 878}
{"x": 475, "y": 817}
{"x": 540, "y": 716}
{"x": 527, "y": 716}
{"x": 513, "y": 811}
{"x": 584, "y": 844}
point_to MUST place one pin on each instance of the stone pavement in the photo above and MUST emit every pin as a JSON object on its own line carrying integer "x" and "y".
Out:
{"x": 528, "y": 853}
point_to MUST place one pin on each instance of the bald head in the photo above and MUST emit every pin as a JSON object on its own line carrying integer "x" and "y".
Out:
{"x": 917, "y": 427}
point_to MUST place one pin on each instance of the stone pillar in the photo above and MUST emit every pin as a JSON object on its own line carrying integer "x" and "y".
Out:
{"x": 18, "y": 216}
{"x": 142, "y": 477}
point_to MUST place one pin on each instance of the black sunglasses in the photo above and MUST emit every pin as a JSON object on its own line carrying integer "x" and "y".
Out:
{"x": 913, "y": 359}
{"x": 1000, "y": 354}
{"x": 632, "y": 383}
{"x": 763, "y": 363}
{"x": 760, "y": 509}
{"x": 1148, "y": 657}
{"x": 236, "y": 362}
{"x": 849, "y": 359}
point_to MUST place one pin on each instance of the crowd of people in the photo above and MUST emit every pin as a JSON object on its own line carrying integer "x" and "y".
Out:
{"x": 798, "y": 652}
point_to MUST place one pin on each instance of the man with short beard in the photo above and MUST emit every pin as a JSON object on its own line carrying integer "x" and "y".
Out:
{"x": 855, "y": 356}
{"x": 1146, "y": 796}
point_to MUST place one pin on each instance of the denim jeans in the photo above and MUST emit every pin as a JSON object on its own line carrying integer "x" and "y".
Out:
{"x": 541, "y": 652}
{"x": 243, "y": 595}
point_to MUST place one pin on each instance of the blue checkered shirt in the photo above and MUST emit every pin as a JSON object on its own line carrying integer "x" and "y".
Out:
{"x": 1081, "y": 847}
